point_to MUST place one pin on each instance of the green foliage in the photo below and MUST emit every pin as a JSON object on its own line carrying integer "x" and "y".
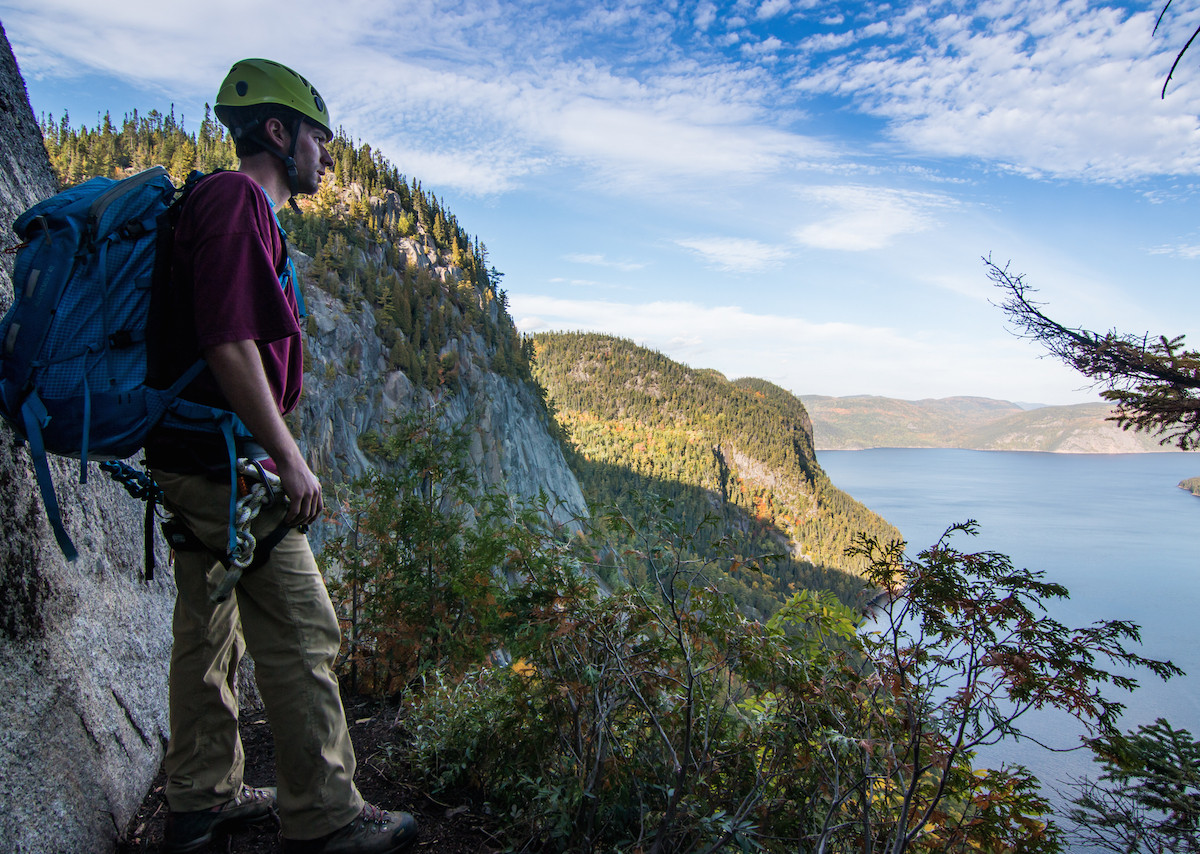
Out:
{"x": 1150, "y": 798}
{"x": 658, "y": 718}
{"x": 962, "y": 649}
{"x": 418, "y": 568}
{"x": 141, "y": 142}
{"x": 618, "y": 728}
{"x": 638, "y": 422}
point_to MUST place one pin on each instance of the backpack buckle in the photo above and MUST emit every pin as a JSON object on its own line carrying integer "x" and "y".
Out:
{"x": 132, "y": 230}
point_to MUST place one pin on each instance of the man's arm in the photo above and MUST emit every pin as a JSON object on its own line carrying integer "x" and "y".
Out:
{"x": 238, "y": 369}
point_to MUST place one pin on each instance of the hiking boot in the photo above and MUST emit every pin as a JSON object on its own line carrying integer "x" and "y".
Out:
{"x": 374, "y": 831}
{"x": 191, "y": 831}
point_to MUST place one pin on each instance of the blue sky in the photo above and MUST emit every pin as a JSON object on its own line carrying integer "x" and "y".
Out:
{"x": 790, "y": 189}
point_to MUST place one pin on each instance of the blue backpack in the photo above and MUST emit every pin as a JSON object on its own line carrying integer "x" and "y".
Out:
{"x": 73, "y": 355}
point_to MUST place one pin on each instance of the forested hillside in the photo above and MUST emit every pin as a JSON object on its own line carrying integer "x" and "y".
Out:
{"x": 355, "y": 230}
{"x": 977, "y": 423}
{"x": 741, "y": 451}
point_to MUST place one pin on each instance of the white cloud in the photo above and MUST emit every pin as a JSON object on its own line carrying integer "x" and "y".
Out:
{"x": 734, "y": 254}
{"x": 764, "y": 49}
{"x": 808, "y": 357}
{"x": 1042, "y": 87}
{"x": 859, "y": 218}
{"x": 770, "y": 8}
{"x": 648, "y": 141}
{"x": 602, "y": 261}
{"x": 1178, "y": 251}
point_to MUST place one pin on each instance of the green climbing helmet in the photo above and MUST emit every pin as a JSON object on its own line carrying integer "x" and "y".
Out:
{"x": 252, "y": 82}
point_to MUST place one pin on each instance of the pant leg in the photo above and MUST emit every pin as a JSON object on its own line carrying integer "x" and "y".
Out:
{"x": 204, "y": 758}
{"x": 292, "y": 633}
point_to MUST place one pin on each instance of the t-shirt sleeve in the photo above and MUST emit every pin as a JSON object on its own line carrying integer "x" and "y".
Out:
{"x": 237, "y": 256}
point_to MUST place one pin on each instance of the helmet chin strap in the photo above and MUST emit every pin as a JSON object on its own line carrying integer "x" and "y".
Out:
{"x": 289, "y": 163}
{"x": 289, "y": 159}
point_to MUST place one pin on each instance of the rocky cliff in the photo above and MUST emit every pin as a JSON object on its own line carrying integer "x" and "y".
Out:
{"x": 84, "y": 646}
{"x": 349, "y": 390}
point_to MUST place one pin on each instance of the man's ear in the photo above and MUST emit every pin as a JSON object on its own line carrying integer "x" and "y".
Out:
{"x": 276, "y": 133}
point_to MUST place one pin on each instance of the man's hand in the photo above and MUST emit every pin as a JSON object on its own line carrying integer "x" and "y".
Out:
{"x": 304, "y": 493}
{"x": 238, "y": 368}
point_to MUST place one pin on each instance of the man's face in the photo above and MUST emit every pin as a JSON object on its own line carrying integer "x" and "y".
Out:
{"x": 312, "y": 158}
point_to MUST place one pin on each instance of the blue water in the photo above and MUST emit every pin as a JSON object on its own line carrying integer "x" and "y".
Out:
{"x": 1114, "y": 529}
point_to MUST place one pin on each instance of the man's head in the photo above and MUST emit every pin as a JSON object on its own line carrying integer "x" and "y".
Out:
{"x": 266, "y": 105}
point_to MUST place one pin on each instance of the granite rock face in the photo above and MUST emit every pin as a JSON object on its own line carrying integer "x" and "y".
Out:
{"x": 83, "y": 645}
{"x": 349, "y": 390}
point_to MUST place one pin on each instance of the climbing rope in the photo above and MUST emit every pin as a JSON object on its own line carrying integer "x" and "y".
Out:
{"x": 137, "y": 483}
{"x": 262, "y": 488}
{"x": 259, "y": 489}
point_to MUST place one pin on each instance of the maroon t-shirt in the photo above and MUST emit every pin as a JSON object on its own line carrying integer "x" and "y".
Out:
{"x": 228, "y": 259}
{"x": 229, "y": 247}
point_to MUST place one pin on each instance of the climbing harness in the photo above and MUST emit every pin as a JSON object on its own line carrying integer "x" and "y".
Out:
{"x": 258, "y": 489}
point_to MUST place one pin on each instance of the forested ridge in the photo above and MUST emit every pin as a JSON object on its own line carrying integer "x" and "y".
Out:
{"x": 742, "y": 451}
{"x": 369, "y": 231}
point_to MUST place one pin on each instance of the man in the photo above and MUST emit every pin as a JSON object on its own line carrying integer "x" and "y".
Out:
{"x": 236, "y": 306}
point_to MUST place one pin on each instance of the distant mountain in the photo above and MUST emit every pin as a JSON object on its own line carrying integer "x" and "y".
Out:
{"x": 977, "y": 423}
{"x": 740, "y": 452}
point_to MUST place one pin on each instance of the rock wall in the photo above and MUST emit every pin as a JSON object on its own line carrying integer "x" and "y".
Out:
{"x": 83, "y": 645}
{"x": 349, "y": 390}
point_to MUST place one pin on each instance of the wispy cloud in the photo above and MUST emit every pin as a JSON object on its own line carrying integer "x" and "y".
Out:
{"x": 603, "y": 261}
{"x": 1038, "y": 86}
{"x": 770, "y": 8}
{"x": 735, "y": 254}
{"x": 1179, "y": 251}
{"x": 858, "y": 218}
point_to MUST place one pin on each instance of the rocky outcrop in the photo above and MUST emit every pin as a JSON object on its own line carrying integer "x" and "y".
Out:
{"x": 83, "y": 645}
{"x": 350, "y": 391}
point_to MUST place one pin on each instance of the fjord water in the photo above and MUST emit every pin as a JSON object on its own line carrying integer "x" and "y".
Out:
{"x": 1114, "y": 529}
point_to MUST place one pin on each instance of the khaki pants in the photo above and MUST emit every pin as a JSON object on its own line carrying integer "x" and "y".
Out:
{"x": 281, "y": 613}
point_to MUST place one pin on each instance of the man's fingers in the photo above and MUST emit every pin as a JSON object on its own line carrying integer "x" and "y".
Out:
{"x": 305, "y": 511}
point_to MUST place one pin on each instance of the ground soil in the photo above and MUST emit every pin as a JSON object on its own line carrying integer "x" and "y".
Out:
{"x": 455, "y": 823}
